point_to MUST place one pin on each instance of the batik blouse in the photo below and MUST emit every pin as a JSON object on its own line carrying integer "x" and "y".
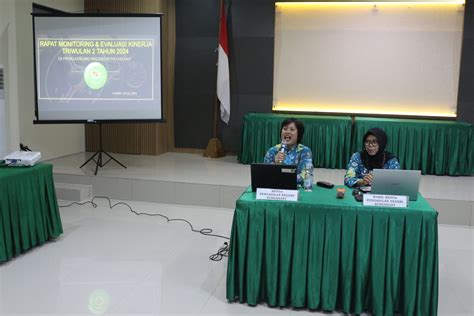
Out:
{"x": 298, "y": 155}
{"x": 356, "y": 170}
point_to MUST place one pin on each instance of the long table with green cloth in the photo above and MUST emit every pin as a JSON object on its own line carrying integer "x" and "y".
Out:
{"x": 334, "y": 255}
{"x": 29, "y": 214}
{"x": 329, "y": 137}
{"x": 432, "y": 146}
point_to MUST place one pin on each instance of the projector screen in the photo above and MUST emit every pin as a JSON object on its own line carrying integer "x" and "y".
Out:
{"x": 102, "y": 67}
{"x": 387, "y": 58}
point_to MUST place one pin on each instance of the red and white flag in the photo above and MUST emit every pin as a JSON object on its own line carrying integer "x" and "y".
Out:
{"x": 223, "y": 79}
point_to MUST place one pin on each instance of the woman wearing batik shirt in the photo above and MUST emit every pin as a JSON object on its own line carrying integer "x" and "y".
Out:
{"x": 291, "y": 151}
{"x": 372, "y": 156}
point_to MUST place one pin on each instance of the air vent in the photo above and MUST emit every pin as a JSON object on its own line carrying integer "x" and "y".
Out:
{"x": 1, "y": 79}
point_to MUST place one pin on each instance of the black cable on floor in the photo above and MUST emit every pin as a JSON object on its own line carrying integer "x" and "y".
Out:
{"x": 222, "y": 252}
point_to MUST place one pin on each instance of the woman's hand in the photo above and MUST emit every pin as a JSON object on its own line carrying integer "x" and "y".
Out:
{"x": 367, "y": 180}
{"x": 280, "y": 157}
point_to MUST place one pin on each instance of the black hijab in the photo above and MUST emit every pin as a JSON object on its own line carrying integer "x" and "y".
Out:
{"x": 381, "y": 157}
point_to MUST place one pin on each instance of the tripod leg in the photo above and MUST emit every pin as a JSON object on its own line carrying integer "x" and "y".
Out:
{"x": 111, "y": 157}
{"x": 99, "y": 163}
{"x": 92, "y": 157}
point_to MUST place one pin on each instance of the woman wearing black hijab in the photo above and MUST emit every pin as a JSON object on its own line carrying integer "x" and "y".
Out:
{"x": 372, "y": 156}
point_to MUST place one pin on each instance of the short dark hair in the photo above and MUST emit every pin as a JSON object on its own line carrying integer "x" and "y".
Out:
{"x": 299, "y": 127}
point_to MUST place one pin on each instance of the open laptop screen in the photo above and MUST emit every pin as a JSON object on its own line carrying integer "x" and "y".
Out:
{"x": 272, "y": 176}
{"x": 396, "y": 182}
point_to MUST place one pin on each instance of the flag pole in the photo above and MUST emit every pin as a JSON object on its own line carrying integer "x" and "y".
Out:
{"x": 214, "y": 146}
{"x": 216, "y": 101}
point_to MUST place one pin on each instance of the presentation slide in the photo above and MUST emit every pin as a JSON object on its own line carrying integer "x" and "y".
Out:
{"x": 92, "y": 68}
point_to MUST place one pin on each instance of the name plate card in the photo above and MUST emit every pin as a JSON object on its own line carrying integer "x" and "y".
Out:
{"x": 277, "y": 195}
{"x": 385, "y": 200}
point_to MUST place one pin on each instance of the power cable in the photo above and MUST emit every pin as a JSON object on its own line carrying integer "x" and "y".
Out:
{"x": 222, "y": 252}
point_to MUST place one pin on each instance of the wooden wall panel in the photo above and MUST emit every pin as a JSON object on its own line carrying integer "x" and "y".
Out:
{"x": 141, "y": 138}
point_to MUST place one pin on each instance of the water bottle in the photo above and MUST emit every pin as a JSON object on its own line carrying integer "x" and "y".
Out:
{"x": 308, "y": 176}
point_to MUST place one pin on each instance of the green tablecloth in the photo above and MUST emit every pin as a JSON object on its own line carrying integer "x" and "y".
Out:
{"x": 329, "y": 137}
{"x": 29, "y": 214}
{"x": 434, "y": 147}
{"x": 329, "y": 254}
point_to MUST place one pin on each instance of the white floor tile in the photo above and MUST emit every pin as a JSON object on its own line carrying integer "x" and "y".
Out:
{"x": 112, "y": 262}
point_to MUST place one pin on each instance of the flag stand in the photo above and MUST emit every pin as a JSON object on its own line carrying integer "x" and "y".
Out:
{"x": 214, "y": 146}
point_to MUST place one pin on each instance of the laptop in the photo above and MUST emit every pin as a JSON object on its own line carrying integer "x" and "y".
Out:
{"x": 396, "y": 182}
{"x": 272, "y": 176}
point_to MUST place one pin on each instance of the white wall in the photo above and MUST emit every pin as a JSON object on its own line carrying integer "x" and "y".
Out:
{"x": 3, "y": 118}
{"x": 8, "y": 59}
{"x": 361, "y": 58}
{"x": 4, "y": 134}
{"x": 51, "y": 140}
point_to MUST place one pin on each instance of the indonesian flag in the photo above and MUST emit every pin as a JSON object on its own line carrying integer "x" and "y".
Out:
{"x": 223, "y": 81}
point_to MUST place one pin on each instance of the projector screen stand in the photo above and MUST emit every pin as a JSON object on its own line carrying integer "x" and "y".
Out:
{"x": 98, "y": 153}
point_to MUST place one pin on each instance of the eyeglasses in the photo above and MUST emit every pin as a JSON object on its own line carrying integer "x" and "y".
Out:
{"x": 371, "y": 143}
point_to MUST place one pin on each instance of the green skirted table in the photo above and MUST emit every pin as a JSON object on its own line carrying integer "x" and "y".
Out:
{"x": 434, "y": 147}
{"x": 329, "y": 137}
{"x": 328, "y": 254}
{"x": 29, "y": 214}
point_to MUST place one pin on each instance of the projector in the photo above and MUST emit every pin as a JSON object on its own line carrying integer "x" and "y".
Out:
{"x": 22, "y": 158}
